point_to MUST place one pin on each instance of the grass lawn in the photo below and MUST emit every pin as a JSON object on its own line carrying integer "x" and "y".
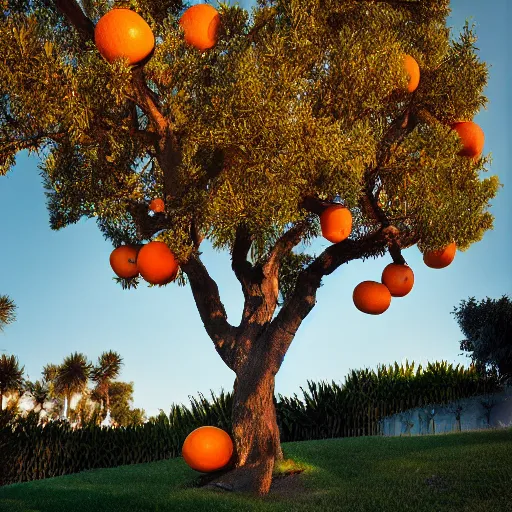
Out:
{"x": 470, "y": 471}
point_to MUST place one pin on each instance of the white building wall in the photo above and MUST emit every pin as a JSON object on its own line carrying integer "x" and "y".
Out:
{"x": 440, "y": 419}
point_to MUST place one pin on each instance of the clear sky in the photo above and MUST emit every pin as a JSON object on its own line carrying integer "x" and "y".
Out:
{"x": 67, "y": 301}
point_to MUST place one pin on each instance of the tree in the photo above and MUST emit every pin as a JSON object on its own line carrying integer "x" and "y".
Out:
{"x": 72, "y": 377}
{"x": 49, "y": 375}
{"x": 487, "y": 326}
{"x": 11, "y": 376}
{"x": 301, "y": 105}
{"x": 107, "y": 369}
{"x": 40, "y": 393}
{"x": 7, "y": 311}
{"x": 121, "y": 397}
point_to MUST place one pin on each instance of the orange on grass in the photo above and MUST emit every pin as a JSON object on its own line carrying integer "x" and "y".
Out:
{"x": 157, "y": 205}
{"x": 201, "y": 24}
{"x": 472, "y": 137}
{"x": 441, "y": 258}
{"x": 157, "y": 264}
{"x": 123, "y": 33}
{"x": 207, "y": 449}
{"x": 336, "y": 223}
{"x": 413, "y": 72}
{"x": 371, "y": 297}
{"x": 398, "y": 279}
{"x": 123, "y": 261}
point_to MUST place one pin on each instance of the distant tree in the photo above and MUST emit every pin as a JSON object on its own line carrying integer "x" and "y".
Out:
{"x": 11, "y": 376}
{"x": 487, "y": 326}
{"x": 121, "y": 398}
{"x": 72, "y": 377}
{"x": 7, "y": 311}
{"x": 39, "y": 391}
{"x": 86, "y": 411}
{"x": 49, "y": 374}
{"x": 107, "y": 369}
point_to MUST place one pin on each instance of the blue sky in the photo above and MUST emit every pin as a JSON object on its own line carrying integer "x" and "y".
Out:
{"x": 67, "y": 301}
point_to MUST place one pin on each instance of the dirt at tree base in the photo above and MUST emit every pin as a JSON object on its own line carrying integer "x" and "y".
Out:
{"x": 284, "y": 485}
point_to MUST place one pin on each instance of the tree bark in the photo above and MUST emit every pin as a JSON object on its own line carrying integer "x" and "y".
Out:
{"x": 256, "y": 436}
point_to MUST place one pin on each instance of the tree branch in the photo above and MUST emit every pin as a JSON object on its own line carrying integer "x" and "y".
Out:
{"x": 211, "y": 309}
{"x": 168, "y": 155}
{"x": 283, "y": 328}
{"x": 242, "y": 268}
{"x": 283, "y": 246}
{"x": 312, "y": 204}
{"x": 76, "y": 18}
{"x": 146, "y": 226}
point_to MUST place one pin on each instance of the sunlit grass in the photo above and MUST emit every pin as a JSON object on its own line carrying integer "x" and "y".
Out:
{"x": 452, "y": 472}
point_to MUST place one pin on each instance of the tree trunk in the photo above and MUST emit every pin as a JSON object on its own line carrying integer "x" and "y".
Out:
{"x": 65, "y": 410}
{"x": 256, "y": 434}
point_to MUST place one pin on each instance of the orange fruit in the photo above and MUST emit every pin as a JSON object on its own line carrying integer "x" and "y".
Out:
{"x": 336, "y": 223}
{"x": 123, "y": 33}
{"x": 413, "y": 72}
{"x": 201, "y": 24}
{"x": 398, "y": 279}
{"x": 123, "y": 261}
{"x": 207, "y": 449}
{"x": 157, "y": 205}
{"x": 371, "y": 297}
{"x": 157, "y": 264}
{"x": 472, "y": 137}
{"x": 441, "y": 258}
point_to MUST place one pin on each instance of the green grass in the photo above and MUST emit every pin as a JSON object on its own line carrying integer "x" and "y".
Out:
{"x": 469, "y": 471}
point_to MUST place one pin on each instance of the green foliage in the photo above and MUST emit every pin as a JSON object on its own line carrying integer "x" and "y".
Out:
{"x": 301, "y": 107}
{"x": 290, "y": 268}
{"x": 487, "y": 326}
{"x": 33, "y": 451}
{"x": 72, "y": 375}
{"x": 356, "y": 407}
{"x": 353, "y": 409}
{"x": 11, "y": 376}
{"x": 120, "y": 398}
{"x": 7, "y": 311}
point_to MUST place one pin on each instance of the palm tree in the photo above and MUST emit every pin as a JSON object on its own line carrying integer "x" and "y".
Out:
{"x": 40, "y": 392}
{"x": 11, "y": 376}
{"x": 108, "y": 368}
{"x": 71, "y": 377}
{"x": 7, "y": 311}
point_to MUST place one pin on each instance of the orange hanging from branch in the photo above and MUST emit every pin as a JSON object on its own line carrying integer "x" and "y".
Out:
{"x": 413, "y": 72}
{"x": 336, "y": 223}
{"x": 371, "y": 297}
{"x": 201, "y": 24}
{"x": 441, "y": 258}
{"x": 472, "y": 138}
{"x": 122, "y": 33}
{"x": 157, "y": 205}
{"x": 157, "y": 264}
{"x": 123, "y": 261}
{"x": 398, "y": 279}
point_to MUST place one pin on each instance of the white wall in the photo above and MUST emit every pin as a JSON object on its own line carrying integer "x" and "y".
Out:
{"x": 473, "y": 416}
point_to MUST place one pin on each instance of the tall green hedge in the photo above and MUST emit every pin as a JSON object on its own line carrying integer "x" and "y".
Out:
{"x": 29, "y": 451}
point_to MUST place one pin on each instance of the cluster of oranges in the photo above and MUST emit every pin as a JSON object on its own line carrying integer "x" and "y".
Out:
{"x": 397, "y": 280}
{"x": 471, "y": 135}
{"x": 154, "y": 261}
{"x": 122, "y": 33}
